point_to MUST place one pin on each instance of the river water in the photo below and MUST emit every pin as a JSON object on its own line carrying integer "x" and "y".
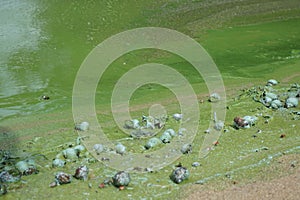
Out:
{"x": 43, "y": 44}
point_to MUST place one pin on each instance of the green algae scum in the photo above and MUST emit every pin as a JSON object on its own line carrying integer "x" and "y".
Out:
{"x": 255, "y": 45}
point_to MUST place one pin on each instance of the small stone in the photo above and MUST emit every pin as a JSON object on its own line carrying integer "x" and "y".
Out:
{"x": 120, "y": 148}
{"x": 82, "y": 126}
{"x": 70, "y": 153}
{"x": 62, "y": 178}
{"x": 98, "y": 148}
{"x": 219, "y": 125}
{"x": 166, "y": 137}
{"x": 3, "y": 189}
{"x": 177, "y": 116}
{"x": 179, "y": 174}
{"x": 195, "y": 164}
{"x": 171, "y": 132}
{"x": 82, "y": 173}
{"x": 121, "y": 179}
{"x": 79, "y": 148}
{"x": 58, "y": 162}
{"x": 186, "y": 148}
{"x": 291, "y": 102}
{"x": 272, "y": 82}
{"x": 44, "y": 97}
{"x": 6, "y": 177}
{"x": 214, "y": 97}
{"x": 152, "y": 143}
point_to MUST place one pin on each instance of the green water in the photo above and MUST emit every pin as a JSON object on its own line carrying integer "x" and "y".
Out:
{"x": 43, "y": 44}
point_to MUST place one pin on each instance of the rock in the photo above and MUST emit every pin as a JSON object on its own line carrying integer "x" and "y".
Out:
{"x": 276, "y": 104}
{"x": 26, "y": 167}
{"x": 79, "y": 148}
{"x": 186, "y": 148}
{"x": 70, "y": 153}
{"x": 82, "y": 126}
{"x": 179, "y": 174}
{"x": 152, "y": 143}
{"x": 58, "y": 162}
{"x": 239, "y": 122}
{"x": 291, "y": 102}
{"x": 219, "y": 125}
{"x": 166, "y": 137}
{"x": 272, "y": 82}
{"x": 141, "y": 133}
{"x": 62, "y": 178}
{"x": 132, "y": 124}
{"x": 82, "y": 173}
{"x": 195, "y": 164}
{"x": 3, "y": 189}
{"x": 171, "y": 132}
{"x": 177, "y": 116}
{"x": 120, "y": 148}
{"x": 7, "y": 177}
{"x": 98, "y": 148}
{"x": 121, "y": 179}
{"x": 250, "y": 119}
{"x": 214, "y": 97}
{"x": 271, "y": 95}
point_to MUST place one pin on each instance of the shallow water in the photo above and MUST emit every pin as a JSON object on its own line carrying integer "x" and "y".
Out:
{"x": 43, "y": 44}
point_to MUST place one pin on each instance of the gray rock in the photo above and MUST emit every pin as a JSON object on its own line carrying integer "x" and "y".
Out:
{"x": 166, "y": 137}
{"x": 291, "y": 102}
{"x": 171, "y": 132}
{"x": 62, "y": 178}
{"x": 179, "y": 174}
{"x": 82, "y": 172}
{"x": 272, "y": 82}
{"x": 98, "y": 148}
{"x": 195, "y": 164}
{"x": 177, "y": 116}
{"x": 186, "y": 148}
{"x": 70, "y": 153}
{"x": 276, "y": 104}
{"x": 152, "y": 143}
{"x": 121, "y": 179}
{"x": 120, "y": 148}
{"x": 58, "y": 162}
{"x": 214, "y": 97}
{"x": 3, "y": 189}
{"x": 82, "y": 126}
